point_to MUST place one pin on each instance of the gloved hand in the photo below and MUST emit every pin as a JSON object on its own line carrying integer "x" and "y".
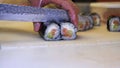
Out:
{"x": 67, "y": 5}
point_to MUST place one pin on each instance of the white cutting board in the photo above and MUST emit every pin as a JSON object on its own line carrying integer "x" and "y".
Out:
{"x": 22, "y": 33}
{"x": 21, "y": 47}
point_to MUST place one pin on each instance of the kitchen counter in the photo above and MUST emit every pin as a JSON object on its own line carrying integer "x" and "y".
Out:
{"x": 21, "y": 47}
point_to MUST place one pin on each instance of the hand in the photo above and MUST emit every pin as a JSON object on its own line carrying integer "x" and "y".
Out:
{"x": 67, "y": 5}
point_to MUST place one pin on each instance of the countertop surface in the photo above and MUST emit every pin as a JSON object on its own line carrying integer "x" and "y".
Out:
{"x": 21, "y": 47}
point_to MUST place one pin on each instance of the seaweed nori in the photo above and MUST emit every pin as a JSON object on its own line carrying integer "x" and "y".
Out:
{"x": 42, "y": 30}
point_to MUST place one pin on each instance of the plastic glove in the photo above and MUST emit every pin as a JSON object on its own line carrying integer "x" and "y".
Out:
{"x": 67, "y": 5}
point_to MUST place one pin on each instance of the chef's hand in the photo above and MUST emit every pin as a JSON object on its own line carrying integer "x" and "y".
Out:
{"x": 67, "y": 5}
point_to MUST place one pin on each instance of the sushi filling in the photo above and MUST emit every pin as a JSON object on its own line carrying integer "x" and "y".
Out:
{"x": 52, "y": 32}
{"x": 68, "y": 31}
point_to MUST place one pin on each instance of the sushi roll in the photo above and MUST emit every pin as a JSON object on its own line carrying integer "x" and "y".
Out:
{"x": 90, "y": 21}
{"x": 68, "y": 31}
{"x": 50, "y": 32}
{"x": 87, "y": 24}
{"x": 113, "y": 24}
{"x": 96, "y": 19}
{"x": 81, "y": 23}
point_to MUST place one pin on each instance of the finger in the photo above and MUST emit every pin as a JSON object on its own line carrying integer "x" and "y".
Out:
{"x": 36, "y": 3}
{"x": 70, "y": 7}
{"x": 72, "y": 12}
{"x": 74, "y": 17}
{"x": 37, "y": 26}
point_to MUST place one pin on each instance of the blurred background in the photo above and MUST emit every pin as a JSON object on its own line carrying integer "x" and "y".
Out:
{"x": 96, "y": 0}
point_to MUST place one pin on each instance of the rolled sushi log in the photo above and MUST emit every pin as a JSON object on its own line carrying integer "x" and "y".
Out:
{"x": 50, "y": 32}
{"x": 85, "y": 22}
{"x": 54, "y": 31}
{"x": 91, "y": 22}
{"x": 81, "y": 23}
{"x": 96, "y": 19}
{"x": 113, "y": 24}
{"x": 68, "y": 31}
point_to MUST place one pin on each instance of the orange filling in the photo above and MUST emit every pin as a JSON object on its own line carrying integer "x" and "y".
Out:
{"x": 67, "y": 33}
{"x": 116, "y": 22}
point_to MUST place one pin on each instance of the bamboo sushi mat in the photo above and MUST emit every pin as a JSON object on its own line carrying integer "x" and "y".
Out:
{"x": 20, "y": 35}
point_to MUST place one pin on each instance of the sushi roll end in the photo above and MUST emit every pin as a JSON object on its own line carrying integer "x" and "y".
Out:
{"x": 113, "y": 24}
{"x": 68, "y": 31}
{"x": 96, "y": 19}
{"x": 50, "y": 32}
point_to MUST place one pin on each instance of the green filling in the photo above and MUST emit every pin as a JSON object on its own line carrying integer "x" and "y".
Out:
{"x": 50, "y": 35}
{"x": 70, "y": 32}
{"x": 115, "y": 27}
